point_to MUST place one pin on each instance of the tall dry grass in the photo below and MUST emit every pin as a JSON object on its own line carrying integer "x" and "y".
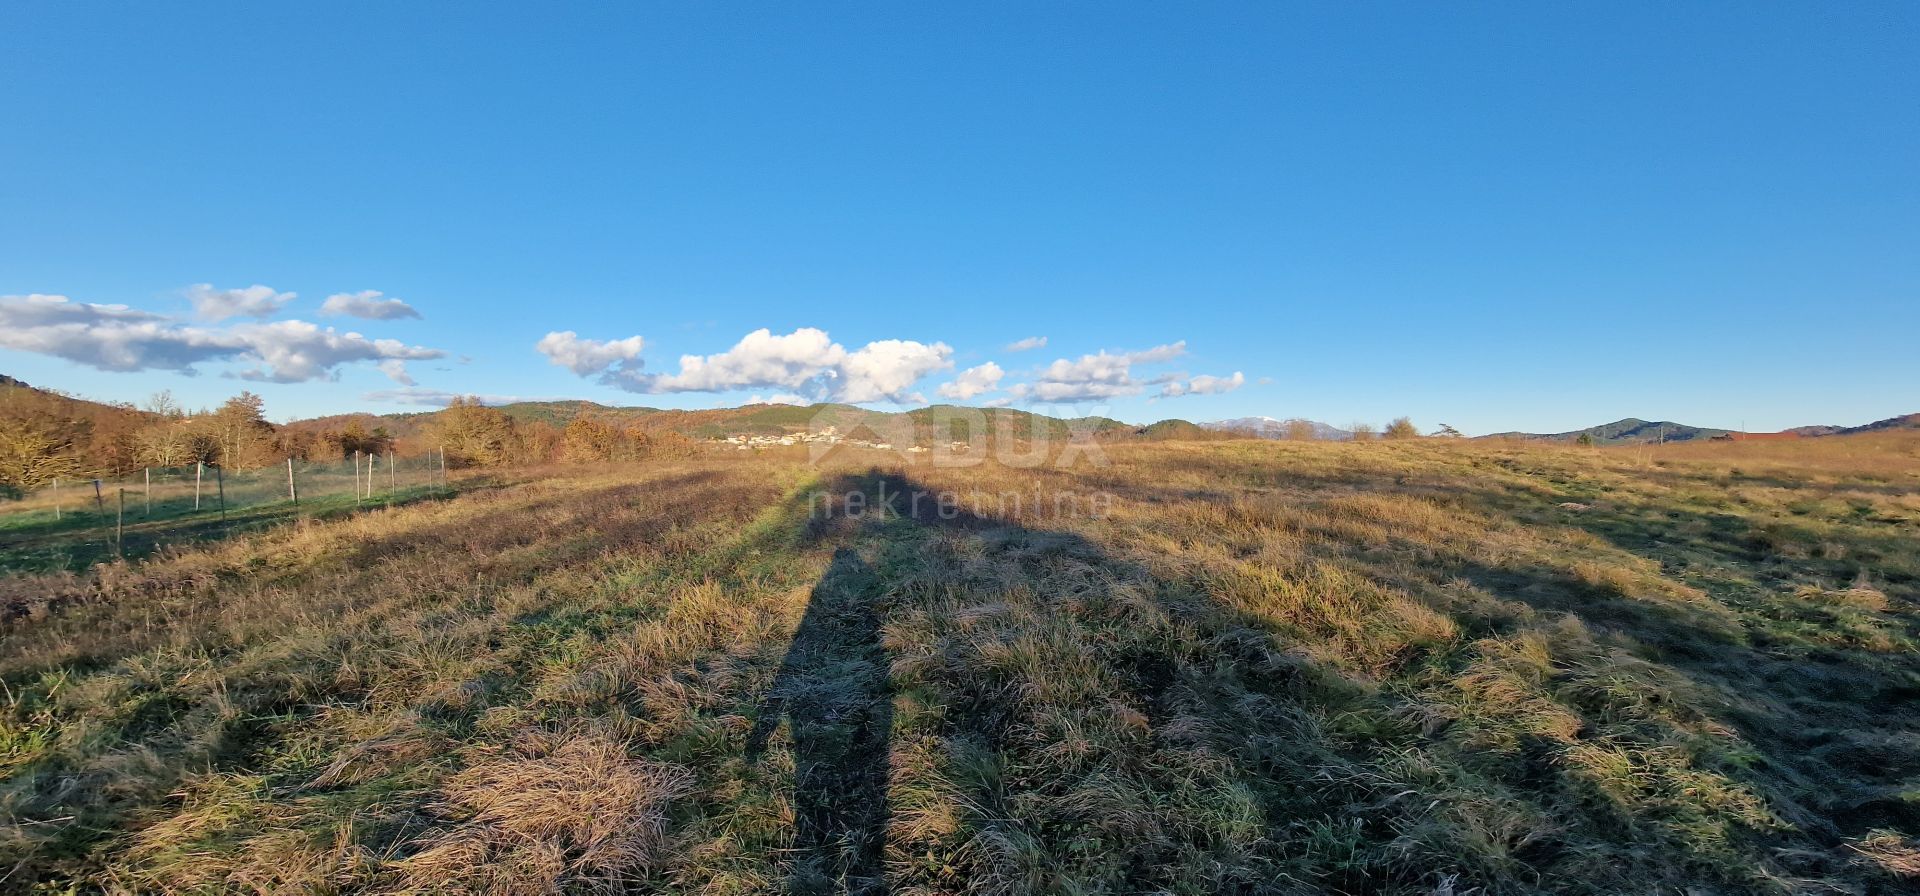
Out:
{"x": 1408, "y": 667}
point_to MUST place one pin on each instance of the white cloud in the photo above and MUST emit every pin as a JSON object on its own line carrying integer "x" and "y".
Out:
{"x": 805, "y": 362}
{"x": 435, "y": 398}
{"x": 779, "y": 398}
{"x": 396, "y": 370}
{"x": 37, "y": 310}
{"x": 1094, "y": 377}
{"x": 294, "y": 351}
{"x": 760, "y": 360}
{"x": 973, "y": 381}
{"x": 116, "y": 338}
{"x": 888, "y": 369}
{"x": 1028, "y": 344}
{"x": 368, "y": 304}
{"x": 1203, "y": 385}
{"x": 251, "y": 301}
{"x": 587, "y": 357}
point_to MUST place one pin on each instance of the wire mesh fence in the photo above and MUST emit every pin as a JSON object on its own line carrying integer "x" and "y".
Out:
{"x": 70, "y": 522}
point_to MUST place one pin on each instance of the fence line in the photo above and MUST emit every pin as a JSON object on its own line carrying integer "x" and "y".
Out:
{"x": 278, "y": 491}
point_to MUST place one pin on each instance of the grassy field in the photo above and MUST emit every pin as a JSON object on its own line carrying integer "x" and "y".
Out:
{"x": 74, "y": 527}
{"x": 1421, "y": 668}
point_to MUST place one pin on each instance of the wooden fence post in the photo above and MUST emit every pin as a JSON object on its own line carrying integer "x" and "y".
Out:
{"x": 120, "y": 527}
{"x": 99, "y": 501}
{"x": 293, "y": 491}
{"x": 148, "y": 492}
{"x": 199, "y": 469}
{"x": 56, "y": 499}
{"x": 393, "y": 476}
{"x": 220, "y": 479}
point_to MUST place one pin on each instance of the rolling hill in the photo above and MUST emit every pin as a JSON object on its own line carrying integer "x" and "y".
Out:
{"x": 1631, "y": 430}
{"x": 1273, "y": 428}
{"x": 757, "y": 420}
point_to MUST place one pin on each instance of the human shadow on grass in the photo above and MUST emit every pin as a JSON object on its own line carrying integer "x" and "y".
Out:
{"x": 1202, "y": 679}
{"x": 833, "y": 689}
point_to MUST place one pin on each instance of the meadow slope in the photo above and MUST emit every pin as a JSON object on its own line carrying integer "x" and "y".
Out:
{"x": 1263, "y": 667}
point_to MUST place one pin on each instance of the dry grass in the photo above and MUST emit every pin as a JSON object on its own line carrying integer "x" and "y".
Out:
{"x": 1414, "y": 667}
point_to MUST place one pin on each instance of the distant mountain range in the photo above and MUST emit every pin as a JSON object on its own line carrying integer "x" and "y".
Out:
{"x": 1634, "y": 430}
{"x": 762, "y": 419}
{"x": 1271, "y": 428}
{"x": 1630, "y": 430}
{"x": 776, "y": 419}
{"x": 773, "y": 419}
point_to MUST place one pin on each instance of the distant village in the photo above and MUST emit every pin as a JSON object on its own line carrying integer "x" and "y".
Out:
{"x": 825, "y": 436}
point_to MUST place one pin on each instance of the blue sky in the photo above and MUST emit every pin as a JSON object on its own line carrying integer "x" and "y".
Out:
{"x": 1496, "y": 216}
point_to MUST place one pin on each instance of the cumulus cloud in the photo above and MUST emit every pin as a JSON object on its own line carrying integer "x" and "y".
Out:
{"x": 1099, "y": 376}
{"x": 251, "y": 301}
{"x": 779, "y": 398}
{"x": 759, "y": 360}
{"x": 367, "y": 304}
{"x": 294, "y": 351}
{"x": 1203, "y": 385}
{"x": 116, "y": 338}
{"x": 806, "y": 362}
{"x": 37, "y": 310}
{"x": 887, "y": 370}
{"x": 973, "y": 381}
{"x": 587, "y": 357}
{"x": 396, "y": 370}
{"x": 433, "y": 398}
{"x": 1028, "y": 344}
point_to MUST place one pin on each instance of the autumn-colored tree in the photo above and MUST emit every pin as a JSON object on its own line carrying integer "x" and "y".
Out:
{"x": 113, "y": 444}
{"x": 669, "y": 444}
{"x": 1402, "y": 428}
{"x": 355, "y": 439}
{"x": 1301, "y": 431}
{"x": 587, "y": 439}
{"x": 240, "y": 429}
{"x": 35, "y": 449}
{"x": 646, "y": 444}
{"x": 164, "y": 443}
{"x": 474, "y": 435}
{"x": 536, "y": 442}
{"x": 1362, "y": 432}
{"x": 41, "y": 438}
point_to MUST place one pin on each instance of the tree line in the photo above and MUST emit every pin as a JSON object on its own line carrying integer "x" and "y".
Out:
{"x": 45, "y": 436}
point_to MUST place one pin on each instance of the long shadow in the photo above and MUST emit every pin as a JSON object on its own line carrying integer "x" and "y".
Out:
{"x": 1210, "y": 680}
{"x": 833, "y": 688}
